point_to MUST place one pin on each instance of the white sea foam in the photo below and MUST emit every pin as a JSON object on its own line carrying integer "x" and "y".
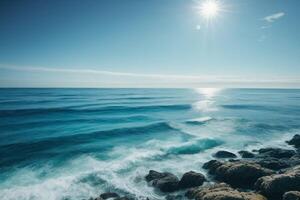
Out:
{"x": 201, "y": 119}
{"x": 124, "y": 171}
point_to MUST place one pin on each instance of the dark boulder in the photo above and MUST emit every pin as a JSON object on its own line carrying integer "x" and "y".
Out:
{"x": 191, "y": 179}
{"x": 274, "y": 163}
{"x": 152, "y": 175}
{"x": 174, "y": 197}
{"x": 246, "y": 154}
{"x": 124, "y": 198}
{"x": 212, "y": 166}
{"x": 165, "y": 182}
{"x": 224, "y": 154}
{"x": 292, "y": 195}
{"x": 276, "y": 153}
{"x": 275, "y": 186}
{"x": 240, "y": 173}
{"x": 295, "y": 141}
{"x": 221, "y": 192}
{"x": 108, "y": 195}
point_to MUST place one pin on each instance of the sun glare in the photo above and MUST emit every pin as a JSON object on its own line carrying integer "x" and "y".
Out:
{"x": 210, "y": 8}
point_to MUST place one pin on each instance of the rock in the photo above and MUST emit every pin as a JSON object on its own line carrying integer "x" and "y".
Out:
{"x": 295, "y": 141}
{"x": 240, "y": 173}
{"x": 191, "y": 179}
{"x": 212, "y": 165}
{"x": 221, "y": 192}
{"x": 292, "y": 195}
{"x": 294, "y": 160}
{"x": 275, "y": 186}
{"x": 276, "y": 153}
{"x": 152, "y": 175}
{"x": 246, "y": 154}
{"x": 124, "y": 198}
{"x": 224, "y": 154}
{"x": 274, "y": 163}
{"x": 108, "y": 195}
{"x": 174, "y": 197}
{"x": 165, "y": 182}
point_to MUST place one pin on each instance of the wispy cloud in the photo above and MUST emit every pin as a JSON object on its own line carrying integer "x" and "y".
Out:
{"x": 171, "y": 78}
{"x": 274, "y": 17}
{"x": 102, "y": 72}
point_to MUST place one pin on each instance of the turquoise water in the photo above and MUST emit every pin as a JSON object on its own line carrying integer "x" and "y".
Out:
{"x": 76, "y": 143}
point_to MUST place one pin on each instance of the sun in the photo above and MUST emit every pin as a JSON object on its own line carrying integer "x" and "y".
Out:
{"x": 209, "y": 9}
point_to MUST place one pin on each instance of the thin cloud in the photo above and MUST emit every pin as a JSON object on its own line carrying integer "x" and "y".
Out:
{"x": 274, "y": 17}
{"x": 160, "y": 77}
{"x": 104, "y": 72}
{"x": 265, "y": 27}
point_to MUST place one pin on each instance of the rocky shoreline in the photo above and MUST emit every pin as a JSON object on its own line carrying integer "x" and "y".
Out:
{"x": 263, "y": 174}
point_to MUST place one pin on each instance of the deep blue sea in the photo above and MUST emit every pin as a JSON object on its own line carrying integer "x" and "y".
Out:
{"x": 63, "y": 144}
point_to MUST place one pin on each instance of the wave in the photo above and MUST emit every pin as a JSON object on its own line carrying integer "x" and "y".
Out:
{"x": 106, "y": 109}
{"x": 15, "y": 125}
{"x": 195, "y": 146}
{"x": 201, "y": 120}
{"x": 49, "y": 145}
{"x": 247, "y": 107}
{"x": 282, "y": 109}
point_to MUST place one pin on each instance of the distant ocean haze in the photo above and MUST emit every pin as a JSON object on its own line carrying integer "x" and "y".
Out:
{"x": 75, "y": 143}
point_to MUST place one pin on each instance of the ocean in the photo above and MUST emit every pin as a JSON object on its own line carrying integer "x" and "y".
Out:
{"x": 73, "y": 144}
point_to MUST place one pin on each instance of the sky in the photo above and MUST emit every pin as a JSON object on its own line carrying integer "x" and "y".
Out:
{"x": 149, "y": 43}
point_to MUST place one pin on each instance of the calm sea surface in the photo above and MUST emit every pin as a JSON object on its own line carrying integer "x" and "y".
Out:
{"x": 60, "y": 144}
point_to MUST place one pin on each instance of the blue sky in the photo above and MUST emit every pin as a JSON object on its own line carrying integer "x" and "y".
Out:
{"x": 149, "y": 43}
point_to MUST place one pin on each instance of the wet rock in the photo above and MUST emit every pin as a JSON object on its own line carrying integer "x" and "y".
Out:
{"x": 224, "y": 154}
{"x": 275, "y": 186}
{"x": 246, "y": 154}
{"x": 292, "y": 195}
{"x": 240, "y": 173}
{"x": 165, "y": 182}
{"x": 221, "y": 191}
{"x": 276, "y": 153}
{"x": 152, "y": 175}
{"x": 108, "y": 195}
{"x": 191, "y": 179}
{"x": 174, "y": 197}
{"x": 212, "y": 166}
{"x": 124, "y": 198}
{"x": 294, "y": 160}
{"x": 274, "y": 163}
{"x": 295, "y": 141}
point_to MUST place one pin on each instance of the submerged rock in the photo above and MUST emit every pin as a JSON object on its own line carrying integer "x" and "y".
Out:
{"x": 124, "y": 198}
{"x": 165, "y": 182}
{"x": 295, "y": 141}
{"x": 224, "y": 154}
{"x": 246, "y": 154}
{"x": 191, "y": 179}
{"x": 275, "y": 186}
{"x": 108, "y": 195}
{"x": 174, "y": 197}
{"x": 238, "y": 173}
{"x": 292, "y": 195}
{"x": 221, "y": 191}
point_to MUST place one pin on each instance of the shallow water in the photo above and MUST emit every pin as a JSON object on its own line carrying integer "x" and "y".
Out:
{"x": 76, "y": 143}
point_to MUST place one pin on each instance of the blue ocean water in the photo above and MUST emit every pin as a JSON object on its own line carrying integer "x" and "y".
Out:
{"x": 61, "y": 144}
